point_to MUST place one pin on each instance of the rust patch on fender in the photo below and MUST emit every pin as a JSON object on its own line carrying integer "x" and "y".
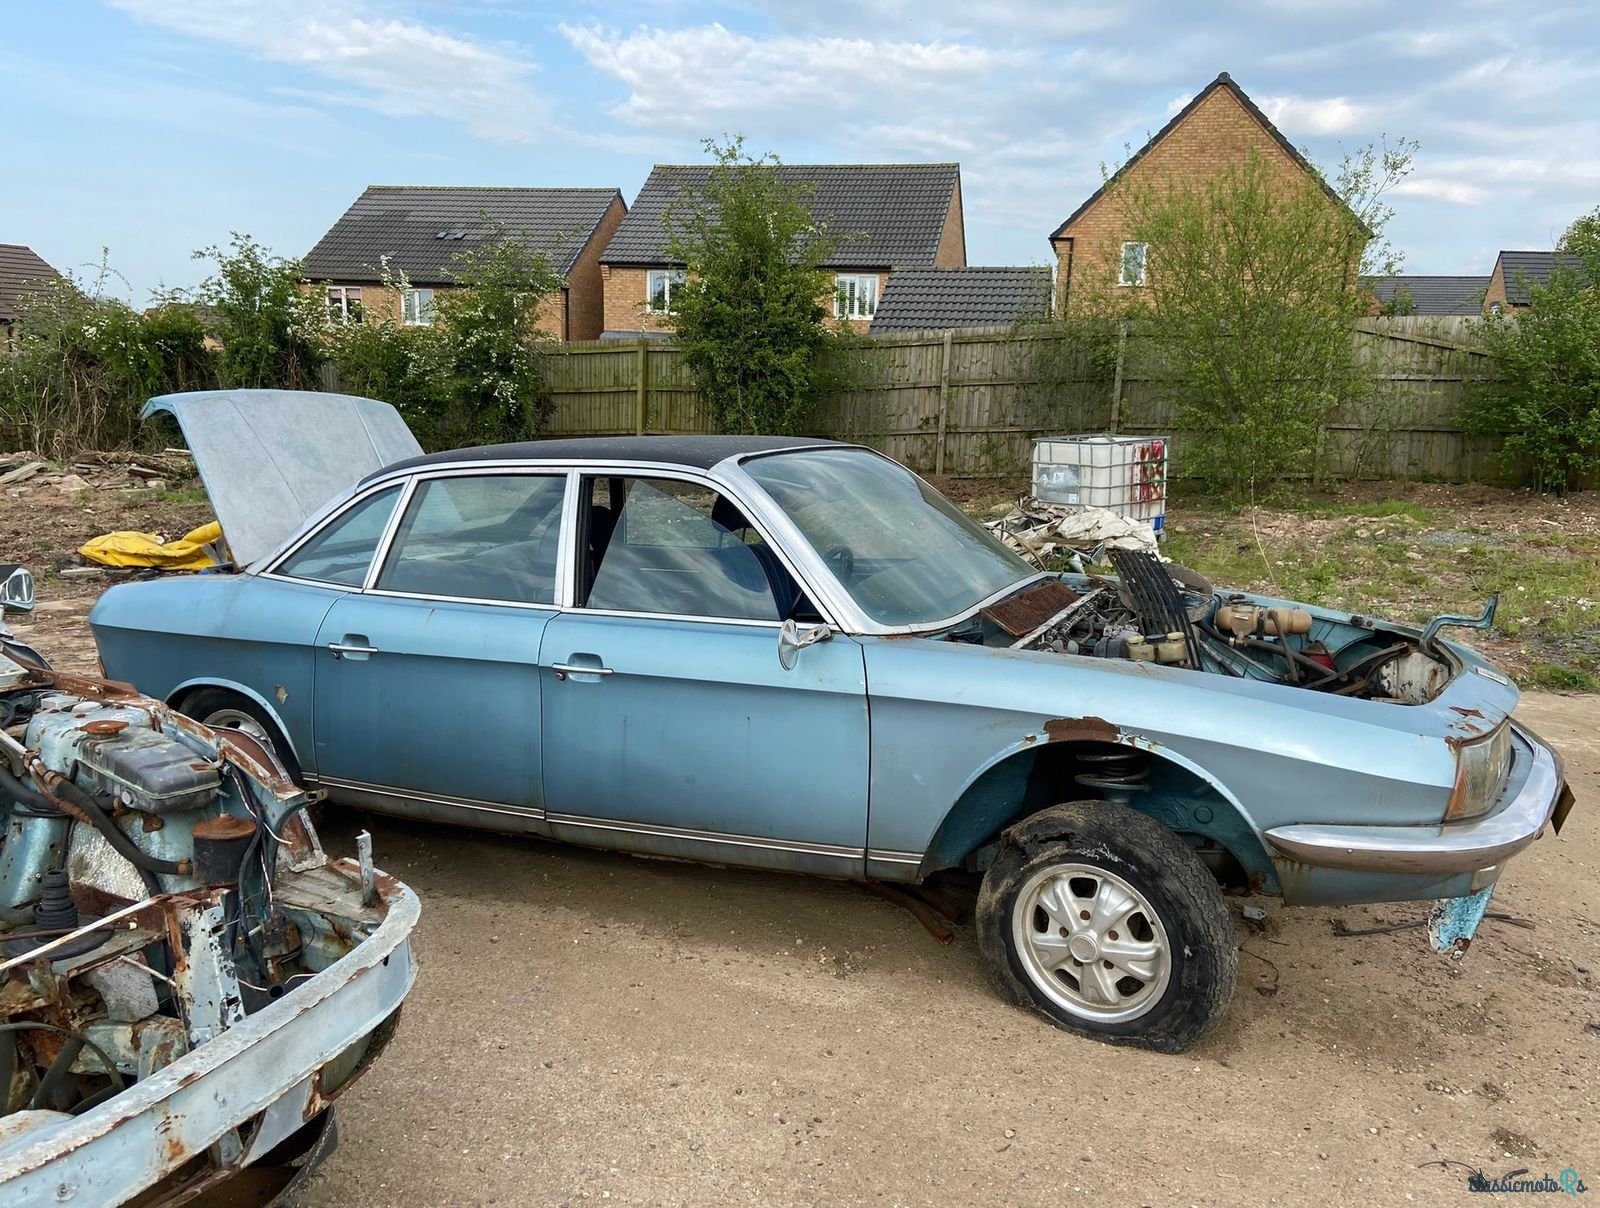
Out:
{"x": 1081, "y": 729}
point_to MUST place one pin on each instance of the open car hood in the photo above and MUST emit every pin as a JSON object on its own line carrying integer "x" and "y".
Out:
{"x": 270, "y": 459}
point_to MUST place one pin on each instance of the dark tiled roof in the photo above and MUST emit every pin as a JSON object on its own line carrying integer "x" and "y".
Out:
{"x": 22, "y": 272}
{"x": 1522, "y": 269}
{"x": 896, "y": 211}
{"x": 421, "y": 228}
{"x": 925, "y": 299}
{"x": 1223, "y": 80}
{"x": 1435, "y": 295}
{"x": 702, "y": 452}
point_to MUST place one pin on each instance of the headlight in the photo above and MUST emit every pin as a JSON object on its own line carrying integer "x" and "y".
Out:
{"x": 1481, "y": 771}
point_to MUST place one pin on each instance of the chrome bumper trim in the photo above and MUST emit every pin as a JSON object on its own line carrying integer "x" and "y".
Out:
{"x": 1454, "y": 847}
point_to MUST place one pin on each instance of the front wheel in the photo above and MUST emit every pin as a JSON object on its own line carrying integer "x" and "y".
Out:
{"x": 1100, "y": 919}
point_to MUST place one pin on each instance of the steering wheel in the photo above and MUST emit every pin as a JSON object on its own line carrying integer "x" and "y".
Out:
{"x": 842, "y": 559}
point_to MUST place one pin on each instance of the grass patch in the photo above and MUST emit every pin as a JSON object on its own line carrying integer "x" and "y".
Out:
{"x": 194, "y": 494}
{"x": 1556, "y": 677}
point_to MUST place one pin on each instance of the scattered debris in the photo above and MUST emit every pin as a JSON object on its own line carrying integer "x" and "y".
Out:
{"x": 1038, "y": 531}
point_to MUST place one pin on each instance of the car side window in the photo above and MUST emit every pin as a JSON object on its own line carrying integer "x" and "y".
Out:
{"x": 664, "y": 546}
{"x": 342, "y": 551}
{"x": 483, "y": 537}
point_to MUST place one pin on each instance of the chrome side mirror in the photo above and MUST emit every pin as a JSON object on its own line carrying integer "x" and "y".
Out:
{"x": 792, "y": 639}
{"x": 16, "y": 589}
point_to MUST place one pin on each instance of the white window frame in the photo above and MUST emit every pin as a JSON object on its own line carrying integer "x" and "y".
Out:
{"x": 1144, "y": 264}
{"x": 340, "y": 298}
{"x": 848, "y": 293}
{"x": 416, "y": 307}
{"x": 670, "y": 278}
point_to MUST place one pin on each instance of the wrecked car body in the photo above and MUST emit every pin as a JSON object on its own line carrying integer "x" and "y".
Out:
{"x": 186, "y": 981}
{"x": 792, "y": 653}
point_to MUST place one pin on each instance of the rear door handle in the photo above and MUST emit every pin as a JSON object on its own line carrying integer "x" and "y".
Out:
{"x": 563, "y": 670}
{"x": 349, "y": 648}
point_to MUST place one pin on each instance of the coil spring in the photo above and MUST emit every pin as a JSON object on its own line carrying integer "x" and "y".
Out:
{"x": 1117, "y": 774}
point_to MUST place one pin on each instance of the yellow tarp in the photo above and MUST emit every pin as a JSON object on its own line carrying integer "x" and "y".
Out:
{"x": 146, "y": 549}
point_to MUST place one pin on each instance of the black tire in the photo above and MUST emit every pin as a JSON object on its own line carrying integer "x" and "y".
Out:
{"x": 204, "y": 704}
{"x": 1168, "y": 1010}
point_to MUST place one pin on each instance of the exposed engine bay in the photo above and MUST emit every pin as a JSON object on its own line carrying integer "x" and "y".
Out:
{"x": 161, "y": 888}
{"x": 1155, "y": 612}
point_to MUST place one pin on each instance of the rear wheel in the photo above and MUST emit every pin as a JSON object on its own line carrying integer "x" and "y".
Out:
{"x": 1100, "y": 919}
{"x": 224, "y": 710}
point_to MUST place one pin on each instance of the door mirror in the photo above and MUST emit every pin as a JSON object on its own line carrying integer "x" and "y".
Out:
{"x": 16, "y": 589}
{"x": 793, "y": 638}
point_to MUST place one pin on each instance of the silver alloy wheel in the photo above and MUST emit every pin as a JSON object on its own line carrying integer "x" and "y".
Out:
{"x": 1091, "y": 942}
{"x": 236, "y": 719}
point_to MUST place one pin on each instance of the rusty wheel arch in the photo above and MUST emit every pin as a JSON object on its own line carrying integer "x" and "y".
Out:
{"x": 1040, "y": 775}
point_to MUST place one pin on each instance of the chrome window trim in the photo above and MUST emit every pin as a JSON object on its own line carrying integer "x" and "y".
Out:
{"x": 705, "y": 478}
{"x": 385, "y": 546}
{"x": 268, "y": 567}
{"x": 837, "y": 608}
{"x": 843, "y": 604}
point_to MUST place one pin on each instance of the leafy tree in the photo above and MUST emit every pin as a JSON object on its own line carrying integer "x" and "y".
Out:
{"x": 750, "y": 315}
{"x": 1244, "y": 322}
{"x": 1545, "y": 399}
{"x": 474, "y": 376}
{"x": 270, "y": 329}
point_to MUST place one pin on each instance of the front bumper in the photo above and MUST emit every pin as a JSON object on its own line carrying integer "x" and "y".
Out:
{"x": 1449, "y": 848}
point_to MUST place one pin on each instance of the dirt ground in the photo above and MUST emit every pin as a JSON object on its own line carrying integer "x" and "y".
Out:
{"x": 589, "y": 1027}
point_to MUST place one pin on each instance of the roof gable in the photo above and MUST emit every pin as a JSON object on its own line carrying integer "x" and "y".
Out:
{"x": 422, "y": 228}
{"x": 976, "y": 296}
{"x": 897, "y": 211}
{"x": 1519, "y": 270}
{"x": 1223, "y": 81}
{"x": 22, "y": 272}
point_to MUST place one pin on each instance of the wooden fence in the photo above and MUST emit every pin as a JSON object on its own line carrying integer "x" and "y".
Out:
{"x": 969, "y": 402}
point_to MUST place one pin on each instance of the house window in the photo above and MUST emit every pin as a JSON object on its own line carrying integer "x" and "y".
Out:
{"x": 1133, "y": 264}
{"x": 344, "y": 303}
{"x": 416, "y": 308}
{"x": 659, "y": 284}
{"x": 855, "y": 297}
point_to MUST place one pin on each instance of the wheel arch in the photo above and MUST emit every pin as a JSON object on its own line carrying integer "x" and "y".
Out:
{"x": 1031, "y": 776}
{"x": 180, "y": 695}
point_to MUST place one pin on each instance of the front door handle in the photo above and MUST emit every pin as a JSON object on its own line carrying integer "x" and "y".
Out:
{"x": 563, "y": 670}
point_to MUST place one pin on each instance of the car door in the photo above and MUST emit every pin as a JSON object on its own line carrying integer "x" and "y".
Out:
{"x": 670, "y": 725}
{"x": 427, "y": 683}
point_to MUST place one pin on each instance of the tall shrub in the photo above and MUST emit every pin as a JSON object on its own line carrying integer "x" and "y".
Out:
{"x": 270, "y": 329}
{"x": 750, "y": 315}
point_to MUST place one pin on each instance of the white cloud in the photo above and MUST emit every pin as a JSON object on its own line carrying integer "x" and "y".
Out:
{"x": 1458, "y": 192}
{"x": 395, "y": 67}
{"x": 708, "y": 78}
{"x": 1301, "y": 115}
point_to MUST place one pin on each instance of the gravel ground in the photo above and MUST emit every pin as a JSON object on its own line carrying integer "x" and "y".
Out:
{"x": 593, "y": 1027}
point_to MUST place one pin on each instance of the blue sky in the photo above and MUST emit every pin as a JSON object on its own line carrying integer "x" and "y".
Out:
{"x": 155, "y": 127}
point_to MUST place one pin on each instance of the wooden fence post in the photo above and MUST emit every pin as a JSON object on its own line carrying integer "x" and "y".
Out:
{"x": 944, "y": 398}
{"x": 641, "y": 419}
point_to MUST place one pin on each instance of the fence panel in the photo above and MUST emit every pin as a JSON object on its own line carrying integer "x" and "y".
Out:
{"x": 969, "y": 402}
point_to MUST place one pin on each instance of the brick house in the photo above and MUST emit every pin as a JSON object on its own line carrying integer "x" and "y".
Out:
{"x": 894, "y": 216}
{"x": 1220, "y": 126}
{"x": 1514, "y": 272}
{"x": 22, "y": 272}
{"x": 420, "y": 229}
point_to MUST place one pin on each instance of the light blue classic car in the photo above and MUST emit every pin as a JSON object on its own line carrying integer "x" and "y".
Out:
{"x": 794, "y": 654}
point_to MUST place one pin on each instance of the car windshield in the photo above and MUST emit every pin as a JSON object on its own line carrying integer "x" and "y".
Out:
{"x": 905, "y": 553}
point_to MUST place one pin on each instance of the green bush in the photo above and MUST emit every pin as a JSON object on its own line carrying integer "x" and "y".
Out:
{"x": 1545, "y": 397}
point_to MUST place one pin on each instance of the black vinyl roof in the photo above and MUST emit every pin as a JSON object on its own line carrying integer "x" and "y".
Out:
{"x": 697, "y": 452}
